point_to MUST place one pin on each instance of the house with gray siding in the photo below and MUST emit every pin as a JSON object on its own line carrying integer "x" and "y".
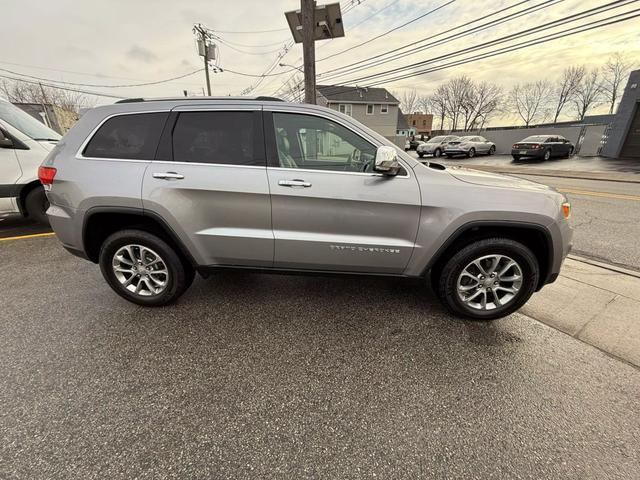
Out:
{"x": 374, "y": 107}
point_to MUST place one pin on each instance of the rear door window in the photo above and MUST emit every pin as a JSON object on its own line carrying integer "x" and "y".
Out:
{"x": 218, "y": 137}
{"x": 132, "y": 136}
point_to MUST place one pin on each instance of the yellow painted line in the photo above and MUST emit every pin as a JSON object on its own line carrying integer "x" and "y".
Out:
{"x": 21, "y": 237}
{"x": 619, "y": 196}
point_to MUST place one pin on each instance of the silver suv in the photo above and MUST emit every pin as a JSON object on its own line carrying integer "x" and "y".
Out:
{"x": 156, "y": 190}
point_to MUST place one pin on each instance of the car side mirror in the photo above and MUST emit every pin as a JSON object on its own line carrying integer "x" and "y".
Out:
{"x": 5, "y": 140}
{"x": 386, "y": 161}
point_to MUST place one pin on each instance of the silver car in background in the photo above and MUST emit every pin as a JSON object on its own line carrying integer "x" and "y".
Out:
{"x": 435, "y": 146}
{"x": 470, "y": 146}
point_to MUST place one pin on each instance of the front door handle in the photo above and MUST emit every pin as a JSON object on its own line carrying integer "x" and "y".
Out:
{"x": 168, "y": 176}
{"x": 294, "y": 183}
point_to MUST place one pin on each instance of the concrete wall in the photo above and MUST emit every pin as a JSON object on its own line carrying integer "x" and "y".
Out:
{"x": 624, "y": 116}
{"x": 383, "y": 123}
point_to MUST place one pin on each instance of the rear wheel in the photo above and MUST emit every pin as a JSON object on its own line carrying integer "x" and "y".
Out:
{"x": 36, "y": 205}
{"x": 516, "y": 157}
{"x": 471, "y": 153}
{"x": 488, "y": 279}
{"x": 492, "y": 150}
{"x": 420, "y": 154}
{"x": 570, "y": 152}
{"x": 143, "y": 268}
{"x": 546, "y": 155}
{"x": 437, "y": 152}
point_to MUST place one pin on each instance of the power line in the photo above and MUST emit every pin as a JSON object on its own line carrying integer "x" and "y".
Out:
{"x": 546, "y": 26}
{"x": 528, "y": 43}
{"x": 413, "y": 48}
{"x": 98, "y": 85}
{"x": 97, "y": 94}
{"x": 388, "y": 31}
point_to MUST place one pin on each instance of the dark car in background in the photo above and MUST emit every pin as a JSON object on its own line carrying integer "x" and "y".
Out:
{"x": 542, "y": 147}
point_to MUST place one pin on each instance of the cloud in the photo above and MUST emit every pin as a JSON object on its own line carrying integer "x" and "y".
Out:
{"x": 142, "y": 54}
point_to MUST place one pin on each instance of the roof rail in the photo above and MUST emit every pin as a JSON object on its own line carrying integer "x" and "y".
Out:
{"x": 261, "y": 98}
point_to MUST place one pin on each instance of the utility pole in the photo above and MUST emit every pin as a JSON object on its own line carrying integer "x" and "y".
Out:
{"x": 307, "y": 25}
{"x": 308, "y": 9}
{"x": 203, "y": 38}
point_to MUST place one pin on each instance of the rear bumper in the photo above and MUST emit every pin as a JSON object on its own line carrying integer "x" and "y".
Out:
{"x": 528, "y": 153}
{"x": 64, "y": 222}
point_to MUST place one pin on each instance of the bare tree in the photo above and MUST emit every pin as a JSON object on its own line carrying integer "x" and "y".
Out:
{"x": 614, "y": 72}
{"x": 588, "y": 94}
{"x": 566, "y": 88}
{"x": 23, "y": 92}
{"x": 530, "y": 100}
{"x": 458, "y": 91}
{"x": 409, "y": 101}
{"x": 424, "y": 103}
{"x": 482, "y": 101}
{"x": 439, "y": 101}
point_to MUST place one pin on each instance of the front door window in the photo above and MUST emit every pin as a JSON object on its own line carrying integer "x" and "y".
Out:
{"x": 309, "y": 142}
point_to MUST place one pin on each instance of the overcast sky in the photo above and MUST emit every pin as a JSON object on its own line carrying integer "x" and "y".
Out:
{"x": 117, "y": 42}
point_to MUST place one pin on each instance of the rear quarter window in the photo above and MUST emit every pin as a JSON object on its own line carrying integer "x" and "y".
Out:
{"x": 131, "y": 136}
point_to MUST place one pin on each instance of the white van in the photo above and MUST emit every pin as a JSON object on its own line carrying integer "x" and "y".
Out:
{"x": 24, "y": 143}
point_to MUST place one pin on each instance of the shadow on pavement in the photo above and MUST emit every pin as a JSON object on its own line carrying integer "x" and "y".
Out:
{"x": 16, "y": 225}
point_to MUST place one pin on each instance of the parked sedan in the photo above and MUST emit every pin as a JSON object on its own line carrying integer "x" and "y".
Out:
{"x": 543, "y": 147}
{"x": 470, "y": 146}
{"x": 435, "y": 146}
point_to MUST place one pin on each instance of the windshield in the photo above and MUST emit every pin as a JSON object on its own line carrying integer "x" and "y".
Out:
{"x": 24, "y": 122}
{"x": 437, "y": 140}
{"x": 535, "y": 138}
{"x": 468, "y": 139}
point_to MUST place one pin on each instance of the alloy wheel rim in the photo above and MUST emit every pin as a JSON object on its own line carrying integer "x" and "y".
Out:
{"x": 489, "y": 282}
{"x": 140, "y": 270}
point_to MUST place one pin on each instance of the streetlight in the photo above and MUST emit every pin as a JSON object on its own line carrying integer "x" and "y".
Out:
{"x": 292, "y": 66}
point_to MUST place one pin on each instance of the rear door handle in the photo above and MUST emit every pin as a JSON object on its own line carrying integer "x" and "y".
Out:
{"x": 294, "y": 183}
{"x": 168, "y": 175}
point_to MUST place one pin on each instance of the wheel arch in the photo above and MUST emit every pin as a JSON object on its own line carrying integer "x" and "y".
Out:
{"x": 22, "y": 195}
{"x": 100, "y": 222}
{"x": 534, "y": 236}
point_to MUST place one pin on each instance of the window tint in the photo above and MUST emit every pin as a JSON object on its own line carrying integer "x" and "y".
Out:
{"x": 305, "y": 141}
{"x": 216, "y": 137}
{"x": 133, "y": 136}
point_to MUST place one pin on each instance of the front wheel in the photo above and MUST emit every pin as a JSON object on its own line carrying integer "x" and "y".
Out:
{"x": 437, "y": 152}
{"x": 36, "y": 205}
{"x": 488, "y": 279}
{"x": 492, "y": 150}
{"x": 143, "y": 268}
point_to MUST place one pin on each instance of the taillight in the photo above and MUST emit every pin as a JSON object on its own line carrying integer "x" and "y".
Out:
{"x": 514, "y": 146}
{"x": 46, "y": 175}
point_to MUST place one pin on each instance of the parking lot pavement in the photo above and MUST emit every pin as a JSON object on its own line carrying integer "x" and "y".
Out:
{"x": 261, "y": 376}
{"x": 574, "y": 163}
{"x": 15, "y": 225}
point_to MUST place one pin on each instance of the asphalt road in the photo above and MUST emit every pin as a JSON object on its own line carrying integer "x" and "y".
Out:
{"x": 605, "y": 216}
{"x": 260, "y": 376}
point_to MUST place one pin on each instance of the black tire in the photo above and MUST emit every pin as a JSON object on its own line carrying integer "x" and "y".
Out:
{"x": 516, "y": 157}
{"x": 421, "y": 154}
{"x": 492, "y": 150}
{"x": 546, "y": 155}
{"x": 36, "y": 205}
{"x": 569, "y": 153}
{"x": 471, "y": 153}
{"x": 448, "y": 277}
{"x": 437, "y": 153}
{"x": 180, "y": 276}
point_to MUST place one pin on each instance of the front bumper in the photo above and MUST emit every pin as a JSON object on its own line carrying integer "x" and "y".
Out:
{"x": 456, "y": 151}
